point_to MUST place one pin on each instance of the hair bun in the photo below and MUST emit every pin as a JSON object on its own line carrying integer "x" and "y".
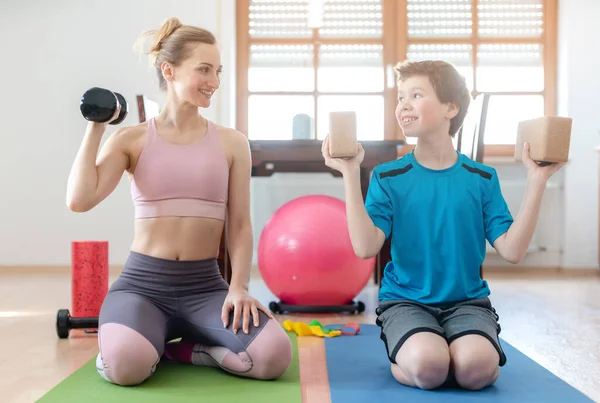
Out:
{"x": 167, "y": 28}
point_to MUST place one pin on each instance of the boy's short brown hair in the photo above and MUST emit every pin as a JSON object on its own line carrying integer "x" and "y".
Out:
{"x": 449, "y": 85}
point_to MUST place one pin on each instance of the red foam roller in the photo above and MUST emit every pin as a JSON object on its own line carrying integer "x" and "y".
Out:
{"x": 89, "y": 277}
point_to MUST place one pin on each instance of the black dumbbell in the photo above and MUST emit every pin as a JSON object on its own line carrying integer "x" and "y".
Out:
{"x": 64, "y": 323}
{"x": 99, "y": 105}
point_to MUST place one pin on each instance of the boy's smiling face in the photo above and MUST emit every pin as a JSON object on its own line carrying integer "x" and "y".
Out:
{"x": 419, "y": 111}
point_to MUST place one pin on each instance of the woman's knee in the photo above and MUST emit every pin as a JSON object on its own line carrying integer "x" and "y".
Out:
{"x": 425, "y": 360}
{"x": 270, "y": 352}
{"x": 126, "y": 357}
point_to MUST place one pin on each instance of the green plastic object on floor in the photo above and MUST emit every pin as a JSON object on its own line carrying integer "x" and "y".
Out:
{"x": 315, "y": 322}
{"x": 173, "y": 382}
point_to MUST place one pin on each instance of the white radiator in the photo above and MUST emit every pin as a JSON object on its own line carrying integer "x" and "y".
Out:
{"x": 548, "y": 229}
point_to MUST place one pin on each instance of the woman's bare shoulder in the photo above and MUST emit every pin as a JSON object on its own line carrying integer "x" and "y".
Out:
{"x": 232, "y": 137}
{"x": 129, "y": 141}
{"x": 130, "y": 134}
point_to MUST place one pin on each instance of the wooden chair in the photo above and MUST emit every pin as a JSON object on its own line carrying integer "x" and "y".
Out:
{"x": 147, "y": 109}
{"x": 470, "y": 139}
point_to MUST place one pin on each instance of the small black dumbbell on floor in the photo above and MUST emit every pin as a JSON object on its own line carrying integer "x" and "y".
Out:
{"x": 64, "y": 323}
{"x": 100, "y": 105}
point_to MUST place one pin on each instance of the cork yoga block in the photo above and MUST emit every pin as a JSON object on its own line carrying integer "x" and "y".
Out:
{"x": 342, "y": 135}
{"x": 549, "y": 138}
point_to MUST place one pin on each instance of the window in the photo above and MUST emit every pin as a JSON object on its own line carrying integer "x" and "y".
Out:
{"x": 503, "y": 47}
{"x": 299, "y": 60}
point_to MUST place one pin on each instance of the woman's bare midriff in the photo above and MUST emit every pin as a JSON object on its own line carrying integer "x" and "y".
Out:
{"x": 174, "y": 238}
{"x": 178, "y": 238}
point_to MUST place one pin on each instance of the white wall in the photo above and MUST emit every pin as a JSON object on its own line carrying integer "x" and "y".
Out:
{"x": 52, "y": 51}
{"x": 579, "y": 56}
{"x": 55, "y": 50}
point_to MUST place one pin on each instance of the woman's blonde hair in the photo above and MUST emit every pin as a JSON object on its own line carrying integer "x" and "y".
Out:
{"x": 170, "y": 43}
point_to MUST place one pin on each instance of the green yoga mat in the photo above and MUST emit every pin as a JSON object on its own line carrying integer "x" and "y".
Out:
{"x": 173, "y": 382}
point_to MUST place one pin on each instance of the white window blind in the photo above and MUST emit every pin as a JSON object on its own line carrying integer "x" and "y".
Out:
{"x": 281, "y": 55}
{"x": 457, "y": 54}
{"x": 279, "y": 19}
{"x": 510, "y": 18}
{"x": 351, "y": 55}
{"x": 439, "y": 18}
{"x": 352, "y": 19}
{"x": 333, "y": 18}
{"x": 510, "y": 55}
{"x": 454, "y": 18}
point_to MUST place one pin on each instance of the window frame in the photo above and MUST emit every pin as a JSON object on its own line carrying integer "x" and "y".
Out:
{"x": 244, "y": 42}
{"x": 395, "y": 43}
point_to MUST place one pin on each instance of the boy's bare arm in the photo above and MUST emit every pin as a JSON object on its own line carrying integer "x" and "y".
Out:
{"x": 513, "y": 244}
{"x": 367, "y": 239}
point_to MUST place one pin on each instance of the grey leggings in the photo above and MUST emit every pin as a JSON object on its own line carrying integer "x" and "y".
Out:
{"x": 166, "y": 299}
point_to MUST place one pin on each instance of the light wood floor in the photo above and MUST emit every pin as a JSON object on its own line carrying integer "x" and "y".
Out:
{"x": 553, "y": 319}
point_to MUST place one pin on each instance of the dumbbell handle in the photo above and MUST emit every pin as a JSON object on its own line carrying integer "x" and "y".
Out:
{"x": 81, "y": 323}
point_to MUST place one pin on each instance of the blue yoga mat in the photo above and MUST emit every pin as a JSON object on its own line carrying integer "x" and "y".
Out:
{"x": 359, "y": 372}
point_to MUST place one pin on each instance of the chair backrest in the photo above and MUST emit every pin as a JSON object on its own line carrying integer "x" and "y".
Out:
{"x": 147, "y": 109}
{"x": 470, "y": 140}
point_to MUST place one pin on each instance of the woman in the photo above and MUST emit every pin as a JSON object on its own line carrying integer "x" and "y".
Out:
{"x": 186, "y": 175}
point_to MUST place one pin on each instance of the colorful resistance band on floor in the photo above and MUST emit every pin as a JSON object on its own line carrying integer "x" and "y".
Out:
{"x": 315, "y": 328}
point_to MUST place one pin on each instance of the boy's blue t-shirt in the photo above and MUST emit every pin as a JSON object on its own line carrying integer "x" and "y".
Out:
{"x": 439, "y": 221}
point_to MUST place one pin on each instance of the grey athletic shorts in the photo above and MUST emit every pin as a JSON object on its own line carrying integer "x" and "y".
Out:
{"x": 166, "y": 299}
{"x": 401, "y": 319}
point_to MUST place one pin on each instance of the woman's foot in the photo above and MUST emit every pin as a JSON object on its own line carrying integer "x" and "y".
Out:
{"x": 179, "y": 351}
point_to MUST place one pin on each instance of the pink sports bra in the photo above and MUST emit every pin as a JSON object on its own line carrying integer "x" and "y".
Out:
{"x": 181, "y": 180}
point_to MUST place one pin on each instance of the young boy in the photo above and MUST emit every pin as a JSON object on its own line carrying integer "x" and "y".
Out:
{"x": 439, "y": 207}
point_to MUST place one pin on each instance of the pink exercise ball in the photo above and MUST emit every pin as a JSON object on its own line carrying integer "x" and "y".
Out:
{"x": 305, "y": 255}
